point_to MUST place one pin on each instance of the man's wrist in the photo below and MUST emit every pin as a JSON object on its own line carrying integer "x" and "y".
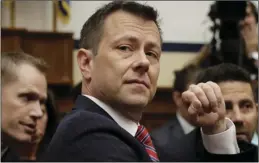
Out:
{"x": 222, "y": 143}
{"x": 219, "y": 127}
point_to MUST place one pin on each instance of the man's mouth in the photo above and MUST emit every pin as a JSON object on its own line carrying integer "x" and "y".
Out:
{"x": 140, "y": 82}
{"x": 29, "y": 128}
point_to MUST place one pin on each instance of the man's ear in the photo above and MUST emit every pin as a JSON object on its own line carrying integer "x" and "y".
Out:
{"x": 84, "y": 60}
{"x": 177, "y": 96}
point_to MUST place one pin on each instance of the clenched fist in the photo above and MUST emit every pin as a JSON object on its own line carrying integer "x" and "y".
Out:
{"x": 206, "y": 106}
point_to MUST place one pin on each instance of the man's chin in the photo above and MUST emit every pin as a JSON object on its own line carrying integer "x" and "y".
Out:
{"x": 136, "y": 101}
{"x": 23, "y": 138}
{"x": 137, "y": 104}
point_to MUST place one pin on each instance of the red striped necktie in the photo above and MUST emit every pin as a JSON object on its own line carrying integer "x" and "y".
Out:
{"x": 143, "y": 137}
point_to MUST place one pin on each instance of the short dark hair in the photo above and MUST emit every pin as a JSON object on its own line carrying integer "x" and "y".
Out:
{"x": 184, "y": 77}
{"x": 92, "y": 30}
{"x": 10, "y": 60}
{"x": 223, "y": 73}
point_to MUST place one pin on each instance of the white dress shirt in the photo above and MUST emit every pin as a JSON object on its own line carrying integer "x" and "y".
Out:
{"x": 186, "y": 126}
{"x": 222, "y": 143}
{"x": 255, "y": 139}
{"x": 125, "y": 123}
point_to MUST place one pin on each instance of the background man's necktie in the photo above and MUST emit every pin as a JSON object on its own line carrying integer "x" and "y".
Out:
{"x": 143, "y": 137}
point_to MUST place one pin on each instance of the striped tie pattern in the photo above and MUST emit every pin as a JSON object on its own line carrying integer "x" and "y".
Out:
{"x": 143, "y": 137}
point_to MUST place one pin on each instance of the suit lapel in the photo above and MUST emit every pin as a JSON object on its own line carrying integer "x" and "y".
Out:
{"x": 83, "y": 102}
{"x": 176, "y": 128}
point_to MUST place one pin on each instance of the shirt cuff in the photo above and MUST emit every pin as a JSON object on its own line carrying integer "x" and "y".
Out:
{"x": 222, "y": 143}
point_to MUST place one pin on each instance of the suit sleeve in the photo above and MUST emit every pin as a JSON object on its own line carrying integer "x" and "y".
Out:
{"x": 98, "y": 147}
{"x": 248, "y": 153}
{"x": 190, "y": 148}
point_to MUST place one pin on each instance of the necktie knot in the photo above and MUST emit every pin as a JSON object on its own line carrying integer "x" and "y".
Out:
{"x": 143, "y": 137}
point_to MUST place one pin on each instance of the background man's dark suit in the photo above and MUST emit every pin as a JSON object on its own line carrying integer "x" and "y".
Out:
{"x": 171, "y": 131}
{"x": 89, "y": 134}
{"x": 172, "y": 144}
{"x": 190, "y": 148}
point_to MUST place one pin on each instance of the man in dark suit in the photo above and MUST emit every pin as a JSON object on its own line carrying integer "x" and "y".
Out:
{"x": 120, "y": 60}
{"x": 241, "y": 106}
{"x": 24, "y": 92}
{"x": 180, "y": 124}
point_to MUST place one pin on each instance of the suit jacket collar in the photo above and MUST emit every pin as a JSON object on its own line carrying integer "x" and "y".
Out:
{"x": 85, "y": 103}
{"x": 93, "y": 104}
{"x": 175, "y": 127}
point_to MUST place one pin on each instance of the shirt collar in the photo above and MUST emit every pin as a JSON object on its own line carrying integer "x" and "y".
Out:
{"x": 187, "y": 127}
{"x": 4, "y": 150}
{"x": 255, "y": 139}
{"x": 127, "y": 124}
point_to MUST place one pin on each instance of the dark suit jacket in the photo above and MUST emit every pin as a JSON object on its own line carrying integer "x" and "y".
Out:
{"x": 88, "y": 133}
{"x": 177, "y": 146}
{"x": 9, "y": 156}
{"x": 170, "y": 132}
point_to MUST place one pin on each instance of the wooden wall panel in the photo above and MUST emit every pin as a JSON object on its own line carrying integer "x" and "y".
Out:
{"x": 57, "y": 50}
{"x": 54, "y": 47}
{"x": 11, "y": 39}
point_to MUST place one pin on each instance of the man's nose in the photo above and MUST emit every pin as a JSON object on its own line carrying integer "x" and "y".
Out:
{"x": 36, "y": 111}
{"x": 142, "y": 63}
{"x": 237, "y": 116}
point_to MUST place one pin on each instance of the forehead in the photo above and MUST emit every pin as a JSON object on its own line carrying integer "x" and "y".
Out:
{"x": 235, "y": 90}
{"x": 121, "y": 22}
{"x": 30, "y": 79}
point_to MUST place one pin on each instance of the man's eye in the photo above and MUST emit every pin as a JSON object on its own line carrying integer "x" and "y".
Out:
{"x": 228, "y": 106}
{"x": 25, "y": 98}
{"x": 247, "y": 106}
{"x": 151, "y": 54}
{"x": 125, "y": 48}
{"x": 43, "y": 108}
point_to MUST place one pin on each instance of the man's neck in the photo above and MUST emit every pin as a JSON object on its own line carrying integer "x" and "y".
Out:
{"x": 124, "y": 121}
{"x": 255, "y": 139}
{"x": 25, "y": 151}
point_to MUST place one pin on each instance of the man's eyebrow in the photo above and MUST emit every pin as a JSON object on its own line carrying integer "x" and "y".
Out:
{"x": 126, "y": 37}
{"x": 33, "y": 93}
{"x": 243, "y": 101}
{"x": 133, "y": 39}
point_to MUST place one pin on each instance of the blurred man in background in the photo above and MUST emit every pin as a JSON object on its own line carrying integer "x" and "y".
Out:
{"x": 181, "y": 123}
{"x": 24, "y": 117}
{"x": 244, "y": 120}
{"x": 241, "y": 107}
{"x": 240, "y": 99}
